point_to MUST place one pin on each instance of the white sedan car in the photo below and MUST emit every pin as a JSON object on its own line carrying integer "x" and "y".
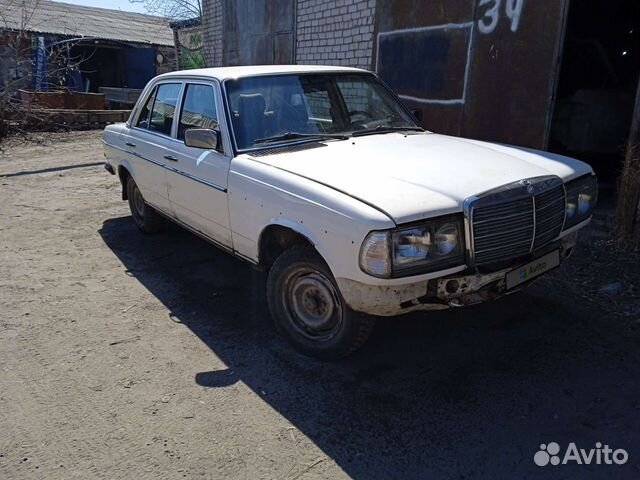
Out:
{"x": 321, "y": 177}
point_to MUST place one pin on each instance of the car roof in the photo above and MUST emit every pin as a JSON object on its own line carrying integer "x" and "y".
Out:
{"x": 224, "y": 73}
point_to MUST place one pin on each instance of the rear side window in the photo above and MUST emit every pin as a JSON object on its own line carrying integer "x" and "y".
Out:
{"x": 164, "y": 108}
{"x": 198, "y": 109}
{"x": 143, "y": 119}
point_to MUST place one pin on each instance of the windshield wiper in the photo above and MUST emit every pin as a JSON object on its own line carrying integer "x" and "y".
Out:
{"x": 297, "y": 135}
{"x": 386, "y": 129}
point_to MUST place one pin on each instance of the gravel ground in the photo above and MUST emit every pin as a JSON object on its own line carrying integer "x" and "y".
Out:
{"x": 124, "y": 356}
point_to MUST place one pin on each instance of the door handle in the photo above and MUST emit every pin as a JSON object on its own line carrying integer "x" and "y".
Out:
{"x": 130, "y": 144}
{"x": 171, "y": 157}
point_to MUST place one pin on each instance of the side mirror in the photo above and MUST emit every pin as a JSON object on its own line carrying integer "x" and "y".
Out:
{"x": 205, "y": 138}
{"x": 417, "y": 114}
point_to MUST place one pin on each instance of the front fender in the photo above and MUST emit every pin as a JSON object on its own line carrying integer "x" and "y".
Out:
{"x": 335, "y": 223}
{"x": 300, "y": 229}
{"x": 297, "y": 227}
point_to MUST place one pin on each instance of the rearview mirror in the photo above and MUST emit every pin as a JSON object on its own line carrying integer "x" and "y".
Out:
{"x": 205, "y": 138}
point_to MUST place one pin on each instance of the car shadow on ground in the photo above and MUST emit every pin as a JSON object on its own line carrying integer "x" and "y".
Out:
{"x": 459, "y": 394}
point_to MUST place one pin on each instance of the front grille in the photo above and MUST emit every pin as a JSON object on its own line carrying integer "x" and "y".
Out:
{"x": 510, "y": 222}
{"x": 503, "y": 230}
{"x": 550, "y": 209}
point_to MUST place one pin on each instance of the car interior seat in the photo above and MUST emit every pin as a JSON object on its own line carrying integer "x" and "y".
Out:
{"x": 251, "y": 121}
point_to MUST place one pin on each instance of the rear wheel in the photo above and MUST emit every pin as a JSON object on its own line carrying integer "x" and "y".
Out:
{"x": 144, "y": 216}
{"x": 307, "y": 307}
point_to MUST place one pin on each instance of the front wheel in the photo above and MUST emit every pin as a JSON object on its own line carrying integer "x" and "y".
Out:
{"x": 307, "y": 307}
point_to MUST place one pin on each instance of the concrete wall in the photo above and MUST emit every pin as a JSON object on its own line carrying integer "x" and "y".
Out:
{"x": 337, "y": 32}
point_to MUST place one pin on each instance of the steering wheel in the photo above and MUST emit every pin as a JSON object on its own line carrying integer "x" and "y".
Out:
{"x": 360, "y": 112}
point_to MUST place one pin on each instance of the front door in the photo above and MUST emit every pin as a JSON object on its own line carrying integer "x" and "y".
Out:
{"x": 197, "y": 178}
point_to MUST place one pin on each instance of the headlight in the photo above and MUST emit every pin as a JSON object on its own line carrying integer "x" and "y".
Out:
{"x": 582, "y": 197}
{"x": 374, "y": 255}
{"x": 429, "y": 246}
{"x": 447, "y": 238}
{"x": 411, "y": 246}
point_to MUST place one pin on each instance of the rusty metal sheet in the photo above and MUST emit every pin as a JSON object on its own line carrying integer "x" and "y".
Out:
{"x": 283, "y": 48}
{"x": 438, "y": 76}
{"x": 479, "y": 68}
{"x": 397, "y": 14}
{"x": 421, "y": 51}
{"x": 513, "y": 71}
{"x": 439, "y": 118}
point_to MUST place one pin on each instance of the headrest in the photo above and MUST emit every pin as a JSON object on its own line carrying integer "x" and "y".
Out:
{"x": 251, "y": 104}
{"x": 299, "y": 113}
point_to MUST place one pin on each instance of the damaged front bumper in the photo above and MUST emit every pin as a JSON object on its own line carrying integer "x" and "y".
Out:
{"x": 441, "y": 293}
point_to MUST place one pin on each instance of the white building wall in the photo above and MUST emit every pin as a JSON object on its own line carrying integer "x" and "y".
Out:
{"x": 335, "y": 32}
{"x": 213, "y": 32}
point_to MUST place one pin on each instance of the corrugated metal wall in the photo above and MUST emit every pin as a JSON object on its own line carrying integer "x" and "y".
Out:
{"x": 478, "y": 68}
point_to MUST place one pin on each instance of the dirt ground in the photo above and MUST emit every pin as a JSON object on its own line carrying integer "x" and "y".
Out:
{"x": 125, "y": 356}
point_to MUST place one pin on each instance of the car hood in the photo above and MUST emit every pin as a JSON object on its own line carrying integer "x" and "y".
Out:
{"x": 413, "y": 176}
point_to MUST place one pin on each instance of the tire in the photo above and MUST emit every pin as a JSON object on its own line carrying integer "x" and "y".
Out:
{"x": 308, "y": 309}
{"x": 146, "y": 218}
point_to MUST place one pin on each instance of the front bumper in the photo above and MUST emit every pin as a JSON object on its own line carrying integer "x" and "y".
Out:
{"x": 466, "y": 288}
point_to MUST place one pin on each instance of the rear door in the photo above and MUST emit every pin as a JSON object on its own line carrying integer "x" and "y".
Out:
{"x": 144, "y": 144}
{"x": 197, "y": 179}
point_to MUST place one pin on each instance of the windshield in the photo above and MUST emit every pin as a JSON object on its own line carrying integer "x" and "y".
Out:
{"x": 285, "y": 108}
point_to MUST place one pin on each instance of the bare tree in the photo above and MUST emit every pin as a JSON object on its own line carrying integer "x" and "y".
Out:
{"x": 173, "y": 9}
{"x": 17, "y": 20}
{"x": 629, "y": 183}
{"x": 189, "y": 48}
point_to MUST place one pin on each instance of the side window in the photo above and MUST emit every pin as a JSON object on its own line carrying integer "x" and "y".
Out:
{"x": 164, "y": 108}
{"x": 319, "y": 104}
{"x": 359, "y": 97}
{"x": 365, "y": 100}
{"x": 143, "y": 118}
{"x": 198, "y": 109}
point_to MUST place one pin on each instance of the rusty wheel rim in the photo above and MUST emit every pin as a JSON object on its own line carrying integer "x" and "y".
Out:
{"x": 313, "y": 304}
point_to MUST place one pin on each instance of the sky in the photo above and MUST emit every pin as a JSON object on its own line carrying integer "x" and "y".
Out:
{"x": 112, "y": 4}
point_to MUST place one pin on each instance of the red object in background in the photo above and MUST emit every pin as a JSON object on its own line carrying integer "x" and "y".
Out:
{"x": 63, "y": 100}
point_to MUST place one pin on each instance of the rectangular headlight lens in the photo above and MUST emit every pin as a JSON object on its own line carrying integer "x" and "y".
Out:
{"x": 582, "y": 197}
{"x": 412, "y": 246}
{"x": 433, "y": 245}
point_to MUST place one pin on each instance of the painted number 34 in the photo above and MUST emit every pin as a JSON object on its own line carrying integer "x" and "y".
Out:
{"x": 491, "y": 15}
